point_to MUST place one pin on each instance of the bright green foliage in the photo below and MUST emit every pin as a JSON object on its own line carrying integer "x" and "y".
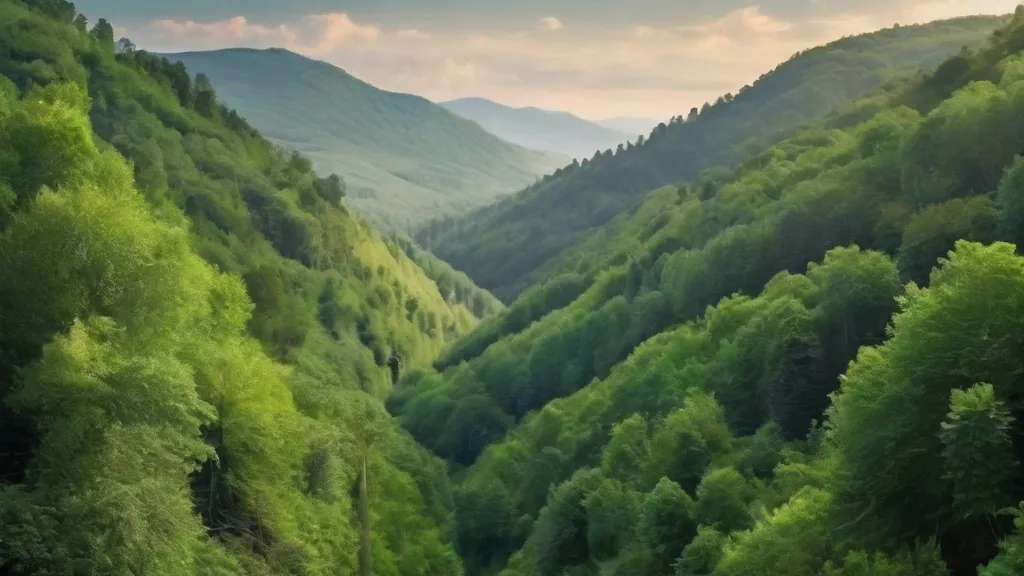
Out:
{"x": 627, "y": 449}
{"x": 683, "y": 446}
{"x": 945, "y": 158}
{"x": 792, "y": 542}
{"x": 191, "y": 374}
{"x": 144, "y": 429}
{"x": 959, "y": 331}
{"x": 858, "y": 292}
{"x": 656, "y": 414}
{"x": 978, "y": 451}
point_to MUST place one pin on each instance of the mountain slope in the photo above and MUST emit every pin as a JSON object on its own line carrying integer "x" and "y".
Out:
{"x": 537, "y": 129}
{"x": 197, "y": 334}
{"x": 500, "y": 245}
{"x": 405, "y": 158}
{"x": 678, "y": 409}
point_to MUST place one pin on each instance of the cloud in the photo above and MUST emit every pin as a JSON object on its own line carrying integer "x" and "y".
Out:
{"x": 335, "y": 29}
{"x": 237, "y": 28}
{"x": 749, "y": 19}
{"x": 412, "y": 34}
{"x": 551, "y": 23}
{"x": 657, "y": 68}
{"x": 316, "y": 35}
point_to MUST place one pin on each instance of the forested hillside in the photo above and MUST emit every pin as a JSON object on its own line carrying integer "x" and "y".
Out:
{"x": 406, "y": 159}
{"x": 501, "y": 246}
{"x": 809, "y": 365}
{"x": 196, "y": 334}
{"x": 536, "y": 129}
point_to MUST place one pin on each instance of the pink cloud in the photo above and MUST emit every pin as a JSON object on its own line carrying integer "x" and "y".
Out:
{"x": 319, "y": 34}
{"x": 332, "y": 30}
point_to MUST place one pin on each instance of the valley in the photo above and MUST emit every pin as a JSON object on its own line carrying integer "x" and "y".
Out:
{"x": 405, "y": 159}
{"x": 503, "y": 245}
{"x": 259, "y": 317}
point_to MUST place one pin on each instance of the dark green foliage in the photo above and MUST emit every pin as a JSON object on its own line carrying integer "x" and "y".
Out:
{"x": 930, "y": 234}
{"x": 281, "y": 318}
{"x": 764, "y": 452}
{"x": 723, "y": 499}
{"x": 978, "y": 451}
{"x": 666, "y": 524}
{"x": 612, "y": 511}
{"x": 1010, "y": 197}
{"x": 561, "y": 534}
{"x": 700, "y": 556}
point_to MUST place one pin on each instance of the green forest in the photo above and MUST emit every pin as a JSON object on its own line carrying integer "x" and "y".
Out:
{"x": 504, "y": 247}
{"x": 803, "y": 360}
{"x": 196, "y": 334}
{"x": 808, "y": 365}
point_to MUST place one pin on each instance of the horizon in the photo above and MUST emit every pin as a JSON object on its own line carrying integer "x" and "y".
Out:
{"x": 597, "y": 63}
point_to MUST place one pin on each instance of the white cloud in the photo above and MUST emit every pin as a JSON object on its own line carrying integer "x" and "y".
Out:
{"x": 551, "y": 23}
{"x": 656, "y": 69}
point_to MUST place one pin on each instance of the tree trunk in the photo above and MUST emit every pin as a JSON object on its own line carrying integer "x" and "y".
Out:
{"x": 365, "y": 557}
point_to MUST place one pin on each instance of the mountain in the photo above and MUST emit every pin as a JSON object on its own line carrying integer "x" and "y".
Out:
{"x": 537, "y": 129}
{"x": 405, "y": 159}
{"x": 502, "y": 246}
{"x": 632, "y": 126}
{"x": 197, "y": 333}
{"x": 805, "y": 365}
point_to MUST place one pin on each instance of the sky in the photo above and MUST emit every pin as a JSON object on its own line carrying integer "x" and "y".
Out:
{"x": 595, "y": 58}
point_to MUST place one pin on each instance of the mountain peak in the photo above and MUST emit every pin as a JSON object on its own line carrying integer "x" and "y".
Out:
{"x": 537, "y": 128}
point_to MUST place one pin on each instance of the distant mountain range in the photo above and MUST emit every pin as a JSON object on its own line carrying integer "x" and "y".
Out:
{"x": 404, "y": 158}
{"x": 552, "y": 131}
{"x": 632, "y": 126}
